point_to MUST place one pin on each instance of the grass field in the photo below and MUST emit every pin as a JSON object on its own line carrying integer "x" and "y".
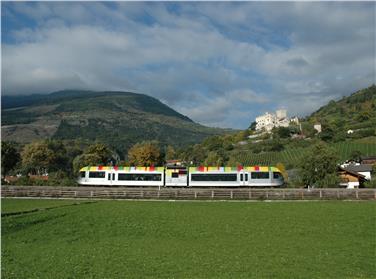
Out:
{"x": 137, "y": 239}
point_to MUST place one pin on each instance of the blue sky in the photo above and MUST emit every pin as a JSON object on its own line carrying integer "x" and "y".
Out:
{"x": 219, "y": 63}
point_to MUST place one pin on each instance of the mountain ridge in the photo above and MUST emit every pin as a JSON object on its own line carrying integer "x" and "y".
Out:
{"x": 117, "y": 118}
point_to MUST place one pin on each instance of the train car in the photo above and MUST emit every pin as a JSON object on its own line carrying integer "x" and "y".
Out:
{"x": 235, "y": 177}
{"x": 214, "y": 177}
{"x": 180, "y": 176}
{"x": 122, "y": 176}
{"x": 257, "y": 176}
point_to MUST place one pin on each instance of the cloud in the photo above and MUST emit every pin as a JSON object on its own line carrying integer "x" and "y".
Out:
{"x": 221, "y": 63}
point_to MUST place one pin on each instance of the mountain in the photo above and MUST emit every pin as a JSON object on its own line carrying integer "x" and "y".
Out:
{"x": 356, "y": 112}
{"x": 119, "y": 119}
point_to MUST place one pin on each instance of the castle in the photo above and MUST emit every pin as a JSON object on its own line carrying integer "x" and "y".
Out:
{"x": 270, "y": 120}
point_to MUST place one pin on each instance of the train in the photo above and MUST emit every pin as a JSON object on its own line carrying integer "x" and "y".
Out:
{"x": 181, "y": 176}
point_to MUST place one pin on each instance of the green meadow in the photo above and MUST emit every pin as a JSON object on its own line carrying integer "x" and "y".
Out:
{"x": 145, "y": 239}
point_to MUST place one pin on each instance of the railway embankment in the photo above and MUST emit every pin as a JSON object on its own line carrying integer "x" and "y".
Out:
{"x": 145, "y": 193}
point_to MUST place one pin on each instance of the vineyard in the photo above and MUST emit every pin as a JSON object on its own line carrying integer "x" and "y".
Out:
{"x": 292, "y": 156}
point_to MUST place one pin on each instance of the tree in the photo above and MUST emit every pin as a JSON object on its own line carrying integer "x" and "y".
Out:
{"x": 253, "y": 126}
{"x": 86, "y": 160}
{"x": 284, "y": 173}
{"x": 145, "y": 154}
{"x": 308, "y": 130}
{"x": 100, "y": 150}
{"x": 170, "y": 153}
{"x": 283, "y": 132}
{"x": 319, "y": 167}
{"x": 95, "y": 154}
{"x": 214, "y": 159}
{"x": 38, "y": 158}
{"x": 9, "y": 157}
{"x": 356, "y": 155}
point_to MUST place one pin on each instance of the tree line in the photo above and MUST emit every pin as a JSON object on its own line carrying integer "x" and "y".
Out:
{"x": 61, "y": 161}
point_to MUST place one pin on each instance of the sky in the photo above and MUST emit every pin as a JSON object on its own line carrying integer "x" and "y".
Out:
{"x": 220, "y": 63}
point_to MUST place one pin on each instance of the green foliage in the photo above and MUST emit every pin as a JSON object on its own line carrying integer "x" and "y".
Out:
{"x": 308, "y": 130}
{"x": 95, "y": 154}
{"x": 214, "y": 159}
{"x": 43, "y": 156}
{"x": 10, "y": 157}
{"x": 252, "y": 127}
{"x": 370, "y": 184}
{"x": 170, "y": 153}
{"x": 101, "y": 151}
{"x": 282, "y": 132}
{"x": 356, "y": 112}
{"x": 112, "y": 239}
{"x": 145, "y": 154}
{"x": 355, "y": 155}
{"x": 61, "y": 178}
{"x": 319, "y": 167}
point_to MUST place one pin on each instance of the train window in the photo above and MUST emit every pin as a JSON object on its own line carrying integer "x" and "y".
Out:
{"x": 97, "y": 174}
{"x": 113, "y": 176}
{"x": 175, "y": 174}
{"x": 277, "y": 175}
{"x": 241, "y": 177}
{"x": 214, "y": 177}
{"x": 82, "y": 174}
{"x": 260, "y": 175}
{"x": 140, "y": 176}
{"x": 109, "y": 176}
{"x": 246, "y": 177}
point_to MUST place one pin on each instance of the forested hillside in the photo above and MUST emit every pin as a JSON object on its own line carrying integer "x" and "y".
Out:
{"x": 119, "y": 119}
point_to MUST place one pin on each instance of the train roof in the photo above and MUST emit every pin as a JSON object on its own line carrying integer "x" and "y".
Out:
{"x": 121, "y": 168}
{"x": 191, "y": 169}
{"x": 233, "y": 169}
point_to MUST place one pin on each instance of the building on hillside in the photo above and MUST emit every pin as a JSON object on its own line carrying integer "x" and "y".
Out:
{"x": 268, "y": 120}
{"x": 317, "y": 127}
{"x": 350, "y": 179}
{"x": 363, "y": 169}
{"x": 295, "y": 120}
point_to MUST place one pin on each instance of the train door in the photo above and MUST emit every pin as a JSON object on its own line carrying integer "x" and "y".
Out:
{"x": 110, "y": 177}
{"x": 244, "y": 178}
{"x": 176, "y": 176}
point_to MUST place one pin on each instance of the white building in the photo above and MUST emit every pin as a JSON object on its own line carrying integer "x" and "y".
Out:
{"x": 317, "y": 127}
{"x": 295, "y": 120}
{"x": 270, "y": 120}
{"x": 267, "y": 121}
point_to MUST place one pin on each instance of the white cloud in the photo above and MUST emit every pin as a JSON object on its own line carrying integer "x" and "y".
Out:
{"x": 204, "y": 59}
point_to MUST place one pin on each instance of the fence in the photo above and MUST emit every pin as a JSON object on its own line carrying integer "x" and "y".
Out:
{"x": 187, "y": 193}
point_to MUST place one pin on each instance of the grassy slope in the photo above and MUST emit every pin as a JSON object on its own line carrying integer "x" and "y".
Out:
{"x": 357, "y": 111}
{"x": 118, "y": 239}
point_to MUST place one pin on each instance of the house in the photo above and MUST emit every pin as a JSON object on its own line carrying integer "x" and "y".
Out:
{"x": 350, "y": 179}
{"x": 317, "y": 127}
{"x": 363, "y": 169}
